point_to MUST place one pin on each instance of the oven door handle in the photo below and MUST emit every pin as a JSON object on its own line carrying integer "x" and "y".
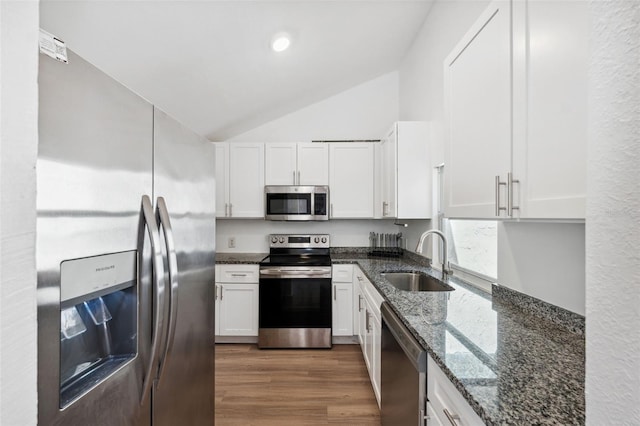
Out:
{"x": 295, "y": 273}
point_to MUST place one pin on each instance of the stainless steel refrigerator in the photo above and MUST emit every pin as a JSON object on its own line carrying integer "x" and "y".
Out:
{"x": 125, "y": 257}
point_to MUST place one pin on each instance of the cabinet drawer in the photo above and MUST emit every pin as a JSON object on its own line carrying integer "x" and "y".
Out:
{"x": 342, "y": 273}
{"x": 445, "y": 399}
{"x": 237, "y": 273}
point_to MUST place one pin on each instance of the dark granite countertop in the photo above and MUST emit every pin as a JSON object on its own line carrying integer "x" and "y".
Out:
{"x": 515, "y": 359}
{"x": 240, "y": 258}
{"x": 514, "y": 367}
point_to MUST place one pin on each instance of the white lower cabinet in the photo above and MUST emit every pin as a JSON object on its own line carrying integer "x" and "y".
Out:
{"x": 446, "y": 405}
{"x": 342, "y": 303}
{"x": 236, "y": 300}
{"x": 342, "y": 309}
{"x": 369, "y": 327}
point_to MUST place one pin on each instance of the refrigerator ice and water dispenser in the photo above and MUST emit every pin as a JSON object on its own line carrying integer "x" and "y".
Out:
{"x": 98, "y": 320}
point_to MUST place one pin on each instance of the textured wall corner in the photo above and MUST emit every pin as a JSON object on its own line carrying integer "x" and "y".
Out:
{"x": 613, "y": 215}
{"x": 18, "y": 151}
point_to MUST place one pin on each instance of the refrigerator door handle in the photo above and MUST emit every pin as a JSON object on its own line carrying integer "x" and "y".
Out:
{"x": 164, "y": 222}
{"x": 158, "y": 300}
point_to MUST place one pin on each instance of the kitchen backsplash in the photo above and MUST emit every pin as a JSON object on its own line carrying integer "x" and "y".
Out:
{"x": 250, "y": 236}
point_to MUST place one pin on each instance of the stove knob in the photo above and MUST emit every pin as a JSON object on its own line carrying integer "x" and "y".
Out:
{"x": 274, "y": 239}
{"x": 324, "y": 240}
{"x": 316, "y": 240}
{"x": 281, "y": 240}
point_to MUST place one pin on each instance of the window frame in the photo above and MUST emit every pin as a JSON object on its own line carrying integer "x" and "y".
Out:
{"x": 477, "y": 279}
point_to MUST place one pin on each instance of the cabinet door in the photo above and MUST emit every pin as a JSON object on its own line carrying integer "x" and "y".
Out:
{"x": 443, "y": 395}
{"x": 360, "y": 308}
{"x": 280, "y": 164}
{"x": 217, "y": 311}
{"x": 477, "y": 80}
{"x": 246, "y": 180}
{"x": 413, "y": 189}
{"x": 342, "y": 309}
{"x": 368, "y": 339}
{"x": 432, "y": 417}
{"x": 238, "y": 309}
{"x": 313, "y": 164}
{"x": 550, "y": 108}
{"x": 222, "y": 179}
{"x": 351, "y": 180}
{"x": 376, "y": 351}
{"x": 389, "y": 173}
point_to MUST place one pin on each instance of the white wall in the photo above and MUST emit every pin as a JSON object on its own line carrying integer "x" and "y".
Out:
{"x": 539, "y": 259}
{"x": 251, "y": 235}
{"x": 18, "y": 150}
{"x": 365, "y": 111}
{"x": 613, "y": 216}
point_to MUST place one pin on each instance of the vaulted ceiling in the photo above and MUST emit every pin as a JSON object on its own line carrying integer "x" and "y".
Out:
{"x": 209, "y": 63}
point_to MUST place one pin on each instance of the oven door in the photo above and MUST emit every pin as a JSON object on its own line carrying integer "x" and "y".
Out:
{"x": 295, "y": 308}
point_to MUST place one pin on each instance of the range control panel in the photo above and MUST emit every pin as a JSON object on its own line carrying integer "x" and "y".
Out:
{"x": 299, "y": 241}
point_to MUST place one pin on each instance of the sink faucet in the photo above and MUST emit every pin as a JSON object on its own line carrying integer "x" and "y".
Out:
{"x": 445, "y": 263}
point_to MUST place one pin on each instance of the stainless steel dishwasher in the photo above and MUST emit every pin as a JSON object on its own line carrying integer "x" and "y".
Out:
{"x": 403, "y": 367}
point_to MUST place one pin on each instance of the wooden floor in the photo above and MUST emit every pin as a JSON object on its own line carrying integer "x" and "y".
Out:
{"x": 293, "y": 387}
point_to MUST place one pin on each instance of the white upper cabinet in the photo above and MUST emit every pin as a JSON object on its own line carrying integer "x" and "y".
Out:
{"x": 389, "y": 171}
{"x": 477, "y": 83}
{"x": 406, "y": 171}
{"x": 550, "y": 108}
{"x": 351, "y": 179}
{"x": 222, "y": 179}
{"x": 515, "y": 105}
{"x": 313, "y": 164}
{"x": 296, "y": 164}
{"x": 240, "y": 175}
{"x": 280, "y": 164}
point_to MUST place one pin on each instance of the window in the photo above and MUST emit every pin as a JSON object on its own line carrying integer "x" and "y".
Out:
{"x": 473, "y": 244}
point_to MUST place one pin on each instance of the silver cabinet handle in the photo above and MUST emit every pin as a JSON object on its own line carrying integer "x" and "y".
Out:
{"x": 334, "y": 293}
{"x": 298, "y": 177}
{"x": 164, "y": 221}
{"x": 226, "y": 209}
{"x": 384, "y": 208}
{"x": 510, "y": 182}
{"x": 221, "y": 291}
{"x": 294, "y": 177}
{"x": 451, "y": 417}
{"x": 230, "y": 209}
{"x": 498, "y": 185}
{"x": 366, "y": 321}
{"x": 158, "y": 283}
{"x": 238, "y": 275}
{"x": 359, "y": 303}
{"x": 216, "y": 292}
{"x": 331, "y": 210}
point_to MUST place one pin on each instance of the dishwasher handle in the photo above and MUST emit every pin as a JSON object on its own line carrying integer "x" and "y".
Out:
{"x": 416, "y": 353}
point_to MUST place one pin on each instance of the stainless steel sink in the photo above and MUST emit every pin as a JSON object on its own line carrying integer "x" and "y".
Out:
{"x": 415, "y": 281}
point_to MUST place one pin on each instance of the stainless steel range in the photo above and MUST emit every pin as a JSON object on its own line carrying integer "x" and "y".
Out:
{"x": 295, "y": 293}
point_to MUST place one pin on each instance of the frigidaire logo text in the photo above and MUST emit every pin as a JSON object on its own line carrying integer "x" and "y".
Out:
{"x": 105, "y": 268}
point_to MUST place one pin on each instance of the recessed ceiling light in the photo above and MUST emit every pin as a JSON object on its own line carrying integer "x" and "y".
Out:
{"x": 280, "y": 42}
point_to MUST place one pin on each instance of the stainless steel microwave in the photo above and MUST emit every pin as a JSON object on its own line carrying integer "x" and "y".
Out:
{"x": 285, "y": 202}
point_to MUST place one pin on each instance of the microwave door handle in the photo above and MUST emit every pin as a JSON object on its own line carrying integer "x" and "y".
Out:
{"x": 158, "y": 289}
{"x": 164, "y": 221}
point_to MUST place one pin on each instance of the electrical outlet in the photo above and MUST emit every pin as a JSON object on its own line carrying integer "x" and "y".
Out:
{"x": 232, "y": 242}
